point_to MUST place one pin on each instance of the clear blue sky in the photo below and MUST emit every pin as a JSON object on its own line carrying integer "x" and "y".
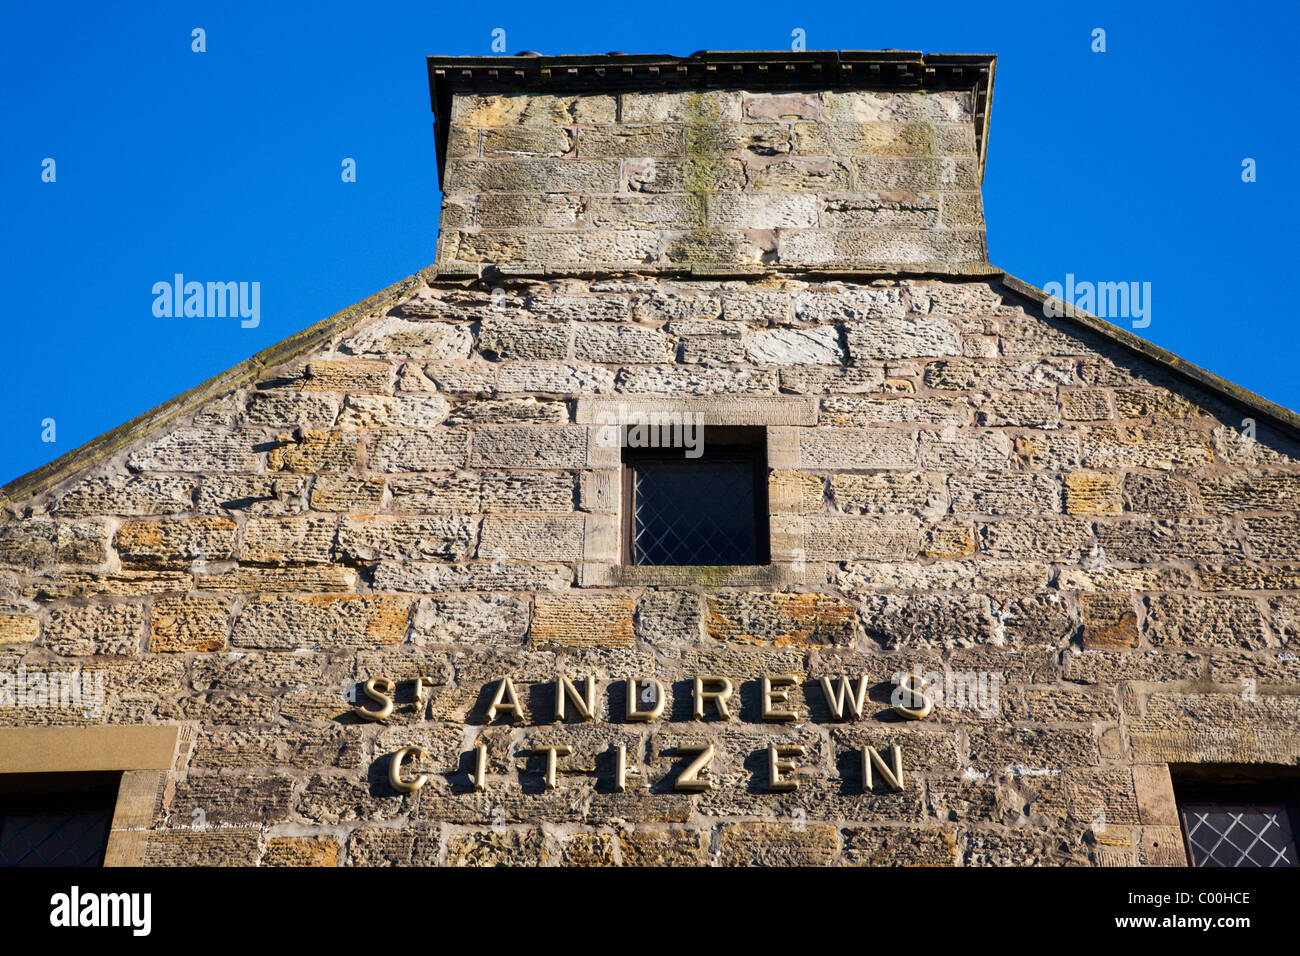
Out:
{"x": 1123, "y": 165}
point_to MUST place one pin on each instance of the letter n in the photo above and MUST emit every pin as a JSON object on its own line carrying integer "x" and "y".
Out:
{"x": 893, "y": 776}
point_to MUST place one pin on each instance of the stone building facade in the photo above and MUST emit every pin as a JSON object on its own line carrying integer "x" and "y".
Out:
{"x": 1086, "y": 548}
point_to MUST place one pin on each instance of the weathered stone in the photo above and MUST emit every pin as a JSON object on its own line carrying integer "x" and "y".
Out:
{"x": 19, "y": 628}
{"x": 1109, "y": 620}
{"x": 291, "y": 622}
{"x": 555, "y": 379}
{"x": 130, "y": 496}
{"x": 960, "y": 450}
{"x": 199, "y": 450}
{"x": 777, "y": 844}
{"x": 1146, "y": 446}
{"x": 307, "y": 578}
{"x": 495, "y": 411}
{"x": 470, "y": 619}
{"x": 518, "y": 339}
{"x": 600, "y": 620}
{"x": 1055, "y": 539}
{"x": 95, "y": 629}
{"x": 964, "y": 374}
{"x": 188, "y": 624}
{"x": 661, "y": 848}
{"x": 868, "y": 411}
{"x": 618, "y": 344}
{"x": 529, "y": 446}
{"x": 476, "y": 577}
{"x": 387, "y": 411}
{"x": 1004, "y": 494}
{"x": 929, "y": 620}
{"x": 300, "y": 539}
{"x": 355, "y": 375}
{"x": 695, "y": 380}
{"x": 1162, "y": 495}
{"x": 438, "y": 449}
{"x": 379, "y": 537}
{"x": 1027, "y": 409}
{"x": 393, "y": 336}
{"x": 1146, "y": 540}
{"x": 780, "y": 620}
{"x": 313, "y": 451}
{"x": 251, "y": 494}
{"x": 910, "y": 338}
{"x": 856, "y": 448}
{"x": 175, "y": 542}
{"x": 816, "y": 346}
{"x": 1085, "y": 404}
{"x": 346, "y": 493}
{"x": 1088, "y": 493}
{"x": 669, "y": 617}
{"x": 847, "y": 538}
{"x": 298, "y": 851}
{"x": 83, "y": 542}
{"x": 900, "y": 846}
{"x": 282, "y": 408}
{"x": 497, "y": 848}
{"x": 1201, "y": 621}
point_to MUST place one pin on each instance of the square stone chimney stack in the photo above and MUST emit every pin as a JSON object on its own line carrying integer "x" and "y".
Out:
{"x": 775, "y": 161}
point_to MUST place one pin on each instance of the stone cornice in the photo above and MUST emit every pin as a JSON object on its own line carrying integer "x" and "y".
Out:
{"x": 710, "y": 69}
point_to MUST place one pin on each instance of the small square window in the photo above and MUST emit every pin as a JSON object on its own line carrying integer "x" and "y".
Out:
{"x": 1235, "y": 821}
{"x": 56, "y": 819}
{"x": 709, "y": 509}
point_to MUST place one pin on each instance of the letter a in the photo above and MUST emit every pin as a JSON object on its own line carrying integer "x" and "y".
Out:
{"x": 505, "y": 699}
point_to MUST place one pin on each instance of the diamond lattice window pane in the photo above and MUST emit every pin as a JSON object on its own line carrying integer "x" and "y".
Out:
{"x": 54, "y": 838}
{"x": 693, "y": 512}
{"x": 1239, "y": 834}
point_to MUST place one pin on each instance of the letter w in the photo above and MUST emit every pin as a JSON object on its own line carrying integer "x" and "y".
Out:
{"x": 837, "y": 701}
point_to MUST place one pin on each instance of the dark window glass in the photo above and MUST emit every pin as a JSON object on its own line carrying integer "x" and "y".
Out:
{"x": 710, "y": 510}
{"x": 56, "y": 819}
{"x": 1238, "y": 816}
{"x": 1239, "y": 834}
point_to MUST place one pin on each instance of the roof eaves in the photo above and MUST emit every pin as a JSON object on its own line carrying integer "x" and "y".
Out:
{"x": 1154, "y": 353}
{"x": 97, "y": 449}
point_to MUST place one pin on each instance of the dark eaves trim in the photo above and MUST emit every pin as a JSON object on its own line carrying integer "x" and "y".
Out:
{"x": 68, "y": 466}
{"x": 713, "y": 69}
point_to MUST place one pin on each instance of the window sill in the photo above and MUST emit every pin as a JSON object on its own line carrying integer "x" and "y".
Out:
{"x": 764, "y": 575}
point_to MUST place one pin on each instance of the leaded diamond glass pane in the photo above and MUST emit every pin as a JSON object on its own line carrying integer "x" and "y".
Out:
{"x": 693, "y": 512}
{"x": 54, "y": 838}
{"x": 1239, "y": 834}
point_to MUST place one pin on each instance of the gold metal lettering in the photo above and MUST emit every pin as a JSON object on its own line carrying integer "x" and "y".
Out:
{"x": 894, "y": 777}
{"x": 480, "y": 766}
{"x": 562, "y": 750}
{"x": 395, "y": 770}
{"x": 379, "y": 690}
{"x": 690, "y": 780}
{"x": 634, "y": 715}
{"x": 421, "y": 683}
{"x": 585, "y": 703}
{"x": 505, "y": 699}
{"x": 922, "y": 705}
{"x": 719, "y": 697}
{"x": 857, "y": 702}
{"x": 776, "y": 690}
{"x": 776, "y": 766}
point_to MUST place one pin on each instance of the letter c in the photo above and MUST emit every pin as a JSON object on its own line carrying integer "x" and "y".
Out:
{"x": 395, "y": 770}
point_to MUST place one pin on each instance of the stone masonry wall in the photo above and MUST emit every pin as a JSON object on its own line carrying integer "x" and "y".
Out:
{"x": 723, "y": 176}
{"x": 982, "y": 489}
